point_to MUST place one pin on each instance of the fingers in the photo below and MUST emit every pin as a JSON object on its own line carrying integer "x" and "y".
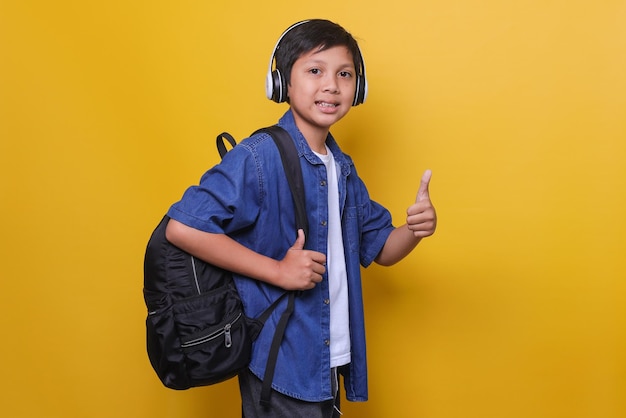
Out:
{"x": 423, "y": 193}
{"x": 313, "y": 281}
{"x": 308, "y": 272}
{"x": 299, "y": 244}
{"x": 421, "y": 216}
{"x": 422, "y": 200}
{"x": 422, "y": 225}
{"x": 302, "y": 269}
{"x": 317, "y": 258}
{"x": 422, "y": 219}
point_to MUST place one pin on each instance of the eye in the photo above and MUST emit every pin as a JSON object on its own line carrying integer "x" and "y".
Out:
{"x": 345, "y": 74}
{"x": 315, "y": 71}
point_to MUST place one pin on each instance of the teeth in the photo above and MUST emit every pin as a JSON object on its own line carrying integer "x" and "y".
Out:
{"x": 324, "y": 104}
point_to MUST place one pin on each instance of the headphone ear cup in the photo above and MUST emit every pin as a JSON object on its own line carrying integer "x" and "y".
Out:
{"x": 360, "y": 93}
{"x": 269, "y": 85}
{"x": 279, "y": 89}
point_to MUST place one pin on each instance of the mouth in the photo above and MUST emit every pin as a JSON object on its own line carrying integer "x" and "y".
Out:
{"x": 326, "y": 104}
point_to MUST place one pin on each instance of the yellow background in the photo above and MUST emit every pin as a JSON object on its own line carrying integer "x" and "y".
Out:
{"x": 514, "y": 309}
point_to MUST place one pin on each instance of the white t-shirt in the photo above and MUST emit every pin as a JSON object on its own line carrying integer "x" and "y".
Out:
{"x": 336, "y": 267}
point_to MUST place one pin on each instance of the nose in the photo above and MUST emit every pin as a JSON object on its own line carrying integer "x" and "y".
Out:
{"x": 331, "y": 85}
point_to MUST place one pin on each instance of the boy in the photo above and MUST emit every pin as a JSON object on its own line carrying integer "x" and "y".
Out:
{"x": 241, "y": 218}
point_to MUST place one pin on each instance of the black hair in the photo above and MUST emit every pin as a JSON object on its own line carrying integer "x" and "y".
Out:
{"x": 318, "y": 34}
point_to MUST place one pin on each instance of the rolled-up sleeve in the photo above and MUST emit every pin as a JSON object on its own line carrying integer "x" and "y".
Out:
{"x": 226, "y": 200}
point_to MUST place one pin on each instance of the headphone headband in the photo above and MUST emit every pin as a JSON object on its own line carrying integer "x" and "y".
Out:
{"x": 276, "y": 85}
{"x": 270, "y": 87}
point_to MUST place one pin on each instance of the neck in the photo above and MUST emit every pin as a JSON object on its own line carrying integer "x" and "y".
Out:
{"x": 316, "y": 140}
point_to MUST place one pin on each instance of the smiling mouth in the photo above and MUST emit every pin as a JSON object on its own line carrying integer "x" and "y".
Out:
{"x": 326, "y": 104}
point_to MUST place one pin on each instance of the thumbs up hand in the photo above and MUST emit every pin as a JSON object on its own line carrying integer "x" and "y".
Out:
{"x": 421, "y": 217}
{"x": 301, "y": 269}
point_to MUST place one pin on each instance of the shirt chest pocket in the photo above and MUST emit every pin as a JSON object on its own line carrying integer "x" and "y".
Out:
{"x": 353, "y": 220}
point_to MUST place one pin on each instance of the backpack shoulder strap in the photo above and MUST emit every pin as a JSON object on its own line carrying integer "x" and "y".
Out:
{"x": 221, "y": 146}
{"x": 293, "y": 171}
{"x": 291, "y": 165}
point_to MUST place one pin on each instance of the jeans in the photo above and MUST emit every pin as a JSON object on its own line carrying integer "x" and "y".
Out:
{"x": 283, "y": 406}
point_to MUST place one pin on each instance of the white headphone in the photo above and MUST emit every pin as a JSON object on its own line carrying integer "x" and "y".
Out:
{"x": 276, "y": 85}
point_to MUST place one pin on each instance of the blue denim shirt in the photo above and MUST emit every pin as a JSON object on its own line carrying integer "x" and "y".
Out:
{"x": 247, "y": 197}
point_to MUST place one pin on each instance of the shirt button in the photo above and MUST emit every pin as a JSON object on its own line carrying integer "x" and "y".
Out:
{"x": 323, "y": 183}
{"x": 327, "y": 342}
{"x": 326, "y": 301}
{"x": 323, "y": 223}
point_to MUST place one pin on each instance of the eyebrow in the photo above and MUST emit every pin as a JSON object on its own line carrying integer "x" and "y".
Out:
{"x": 312, "y": 60}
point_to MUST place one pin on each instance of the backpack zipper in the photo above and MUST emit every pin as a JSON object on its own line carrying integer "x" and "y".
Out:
{"x": 228, "y": 341}
{"x": 195, "y": 275}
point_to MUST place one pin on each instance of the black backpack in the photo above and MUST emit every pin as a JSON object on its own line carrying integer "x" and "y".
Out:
{"x": 197, "y": 332}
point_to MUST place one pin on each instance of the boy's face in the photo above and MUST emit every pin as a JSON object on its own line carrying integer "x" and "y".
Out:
{"x": 321, "y": 90}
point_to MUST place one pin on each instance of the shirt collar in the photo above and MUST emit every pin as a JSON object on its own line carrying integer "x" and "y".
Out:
{"x": 288, "y": 122}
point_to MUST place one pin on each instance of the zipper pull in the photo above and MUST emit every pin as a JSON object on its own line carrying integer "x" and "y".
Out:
{"x": 228, "y": 341}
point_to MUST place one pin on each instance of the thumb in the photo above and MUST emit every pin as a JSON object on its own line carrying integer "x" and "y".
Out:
{"x": 422, "y": 193}
{"x": 299, "y": 244}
